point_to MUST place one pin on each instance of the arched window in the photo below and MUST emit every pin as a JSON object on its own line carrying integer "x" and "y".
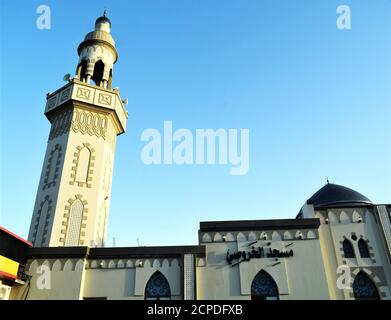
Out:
{"x": 264, "y": 287}
{"x": 74, "y": 224}
{"x": 81, "y": 70}
{"x": 363, "y": 248}
{"x": 53, "y": 164}
{"x": 52, "y": 168}
{"x": 43, "y": 212}
{"x": 348, "y": 249}
{"x": 157, "y": 288}
{"x": 83, "y": 165}
{"x": 364, "y": 288}
{"x": 98, "y": 72}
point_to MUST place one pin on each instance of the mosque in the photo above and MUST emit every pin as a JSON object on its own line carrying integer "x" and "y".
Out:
{"x": 338, "y": 247}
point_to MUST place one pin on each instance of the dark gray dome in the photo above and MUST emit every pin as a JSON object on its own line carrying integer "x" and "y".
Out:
{"x": 333, "y": 195}
{"x": 103, "y": 19}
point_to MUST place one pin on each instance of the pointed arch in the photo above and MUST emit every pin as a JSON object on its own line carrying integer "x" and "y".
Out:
{"x": 57, "y": 265}
{"x": 97, "y": 76}
{"x": 229, "y": 237}
{"x": 264, "y": 287}
{"x": 364, "y": 288}
{"x": 287, "y": 235}
{"x": 174, "y": 263}
{"x": 252, "y": 236}
{"x": 82, "y": 69}
{"x": 363, "y": 249}
{"x": 47, "y": 263}
{"x": 52, "y": 167}
{"x": 217, "y": 237}
{"x": 356, "y": 217}
{"x": 41, "y": 221}
{"x": 240, "y": 237}
{"x": 165, "y": 264}
{"x": 157, "y": 287}
{"x": 344, "y": 217}
{"x": 147, "y": 263}
{"x": 120, "y": 264}
{"x": 84, "y": 158}
{"x": 68, "y": 265}
{"x": 201, "y": 262}
{"x": 348, "y": 249}
{"x": 32, "y": 266}
{"x": 299, "y": 235}
{"x": 276, "y": 236}
{"x": 83, "y": 165}
{"x": 74, "y": 226}
{"x": 206, "y": 238}
{"x": 263, "y": 236}
{"x": 156, "y": 264}
{"x": 74, "y": 222}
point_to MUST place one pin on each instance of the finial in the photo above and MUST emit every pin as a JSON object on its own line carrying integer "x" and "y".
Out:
{"x": 104, "y": 12}
{"x": 327, "y": 179}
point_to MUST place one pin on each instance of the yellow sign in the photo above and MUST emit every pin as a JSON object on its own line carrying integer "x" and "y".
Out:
{"x": 8, "y": 266}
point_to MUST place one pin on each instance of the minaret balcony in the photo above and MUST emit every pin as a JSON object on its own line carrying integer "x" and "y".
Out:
{"x": 87, "y": 94}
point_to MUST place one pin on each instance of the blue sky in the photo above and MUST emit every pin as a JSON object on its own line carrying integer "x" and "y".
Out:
{"x": 315, "y": 99}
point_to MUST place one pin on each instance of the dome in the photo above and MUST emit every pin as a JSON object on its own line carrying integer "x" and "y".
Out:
{"x": 100, "y": 36}
{"x": 103, "y": 19}
{"x": 333, "y": 195}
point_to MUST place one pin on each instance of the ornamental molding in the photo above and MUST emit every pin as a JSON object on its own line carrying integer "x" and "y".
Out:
{"x": 45, "y": 221}
{"x": 90, "y": 94}
{"x": 61, "y": 123}
{"x": 85, "y": 122}
{"x": 91, "y": 123}
{"x": 53, "y": 167}
{"x": 89, "y": 166}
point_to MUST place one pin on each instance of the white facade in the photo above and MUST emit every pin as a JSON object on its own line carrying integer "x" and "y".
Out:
{"x": 307, "y": 264}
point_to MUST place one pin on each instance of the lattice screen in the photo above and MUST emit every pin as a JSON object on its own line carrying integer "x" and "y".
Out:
{"x": 188, "y": 277}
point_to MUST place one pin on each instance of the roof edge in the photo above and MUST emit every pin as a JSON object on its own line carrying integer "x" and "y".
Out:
{"x": 114, "y": 252}
{"x": 248, "y": 225}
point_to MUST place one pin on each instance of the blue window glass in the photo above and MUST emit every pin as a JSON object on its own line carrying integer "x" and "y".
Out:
{"x": 264, "y": 287}
{"x": 157, "y": 287}
{"x": 364, "y": 288}
{"x": 363, "y": 248}
{"x": 348, "y": 249}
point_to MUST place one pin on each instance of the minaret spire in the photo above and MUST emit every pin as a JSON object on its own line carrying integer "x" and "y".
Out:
{"x": 97, "y": 55}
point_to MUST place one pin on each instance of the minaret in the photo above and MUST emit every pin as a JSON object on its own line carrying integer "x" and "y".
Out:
{"x": 86, "y": 115}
